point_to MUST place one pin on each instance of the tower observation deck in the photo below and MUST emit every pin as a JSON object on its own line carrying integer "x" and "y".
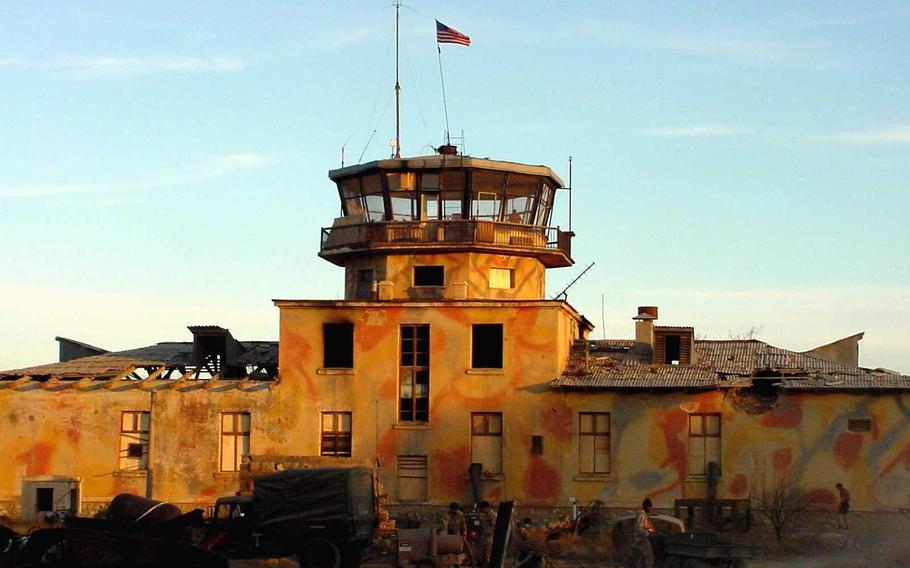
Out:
{"x": 446, "y": 204}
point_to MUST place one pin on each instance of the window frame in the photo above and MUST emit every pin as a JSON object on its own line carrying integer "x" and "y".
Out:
{"x": 511, "y": 277}
{"x": 409, "y": 359}
{"x": 486, "y": 432}
{"x": 241, "y": 438}
{"x": 593, "y": 436}
{"x": 338, "y": 433}
{"x": 703, "y": 438}
{"x": 134, "y": 432}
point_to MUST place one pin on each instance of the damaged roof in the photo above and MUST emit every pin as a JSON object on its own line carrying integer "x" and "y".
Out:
{"x": 162, "y": 361}
{"x": 625, "y": 364}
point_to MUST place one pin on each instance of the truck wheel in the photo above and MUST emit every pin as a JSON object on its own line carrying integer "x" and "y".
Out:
{"x": 672, "y": 562}
{"x": 319, "y": 553}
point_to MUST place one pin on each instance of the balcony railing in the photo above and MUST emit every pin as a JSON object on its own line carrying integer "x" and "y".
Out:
{"x": 430, "y": 234}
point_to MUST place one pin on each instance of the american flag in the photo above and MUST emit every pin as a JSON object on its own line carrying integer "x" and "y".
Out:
{"x": 445, "y": 34}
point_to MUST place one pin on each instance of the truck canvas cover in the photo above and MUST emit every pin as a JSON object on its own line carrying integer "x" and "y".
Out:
{"x": 317, "y": 496}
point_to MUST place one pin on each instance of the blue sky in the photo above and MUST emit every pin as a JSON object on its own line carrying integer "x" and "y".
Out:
{"x": 164, "y": 164}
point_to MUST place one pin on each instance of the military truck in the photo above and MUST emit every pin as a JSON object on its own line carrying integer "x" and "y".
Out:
{"x": 324, "y": 516}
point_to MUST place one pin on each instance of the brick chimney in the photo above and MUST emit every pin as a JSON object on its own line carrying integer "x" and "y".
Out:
{"x": 644, "y": 325}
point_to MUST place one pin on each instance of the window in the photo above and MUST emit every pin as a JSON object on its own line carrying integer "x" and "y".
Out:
{"x": 486, "y": 346}
{"x": 859, "y": 425}
{"x": 364, "y": 290}
{"x": 704, "y": 442}
{"x": 673, "y": 345}
{"x": 486, "y": 441}
{"x": 536, "y": 445}
{"x": 235, "y": 439}
{"x": 412, "y": 478}
{"x": 414, "y": 374}
{"x": 134, "y": 440}
{"x": 502, "y": 278}
{"x": 429, "y": 276}
{"x": 338, "y": 345}
{"x": 336, "y": 434}
{"x": 672, "y": 349}
{"x": 44, "y": 499}
{"x": 593, "y": 442}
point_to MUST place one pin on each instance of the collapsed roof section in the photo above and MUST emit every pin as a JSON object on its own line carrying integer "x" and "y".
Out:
{"x": 626, "y": 364}
{"x": 213, "y": 360}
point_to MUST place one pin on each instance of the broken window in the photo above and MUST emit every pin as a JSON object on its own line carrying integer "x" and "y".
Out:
{"x": 414, "y": 373}
{"x": 486, "y": 346}
{"x": 134, "y": 440}
{"x": 235, "y": 439}
{"x": 338, "y": 345}
{"x": 429, "y": 276}
{"x": 859, "y": 425}
{"x": 704, "y": 442}
{"x": 336, "y": 434}
{"x": 412, "y": 478}
{"x": 594, "y": 442}
{"x": 502, "y": 278}
{"x": 486, "y": 441}
{"x": 44, "y": 499}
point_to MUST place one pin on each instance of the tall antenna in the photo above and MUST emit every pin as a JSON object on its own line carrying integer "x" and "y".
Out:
{"x": 397, "y": 87}
{"x": 563, "y": 295}
{"x": 570, "y": 194}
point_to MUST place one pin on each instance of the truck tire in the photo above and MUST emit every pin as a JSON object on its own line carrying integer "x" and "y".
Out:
{"x": 319, "y": 552}
{"x": 672, "y": 561}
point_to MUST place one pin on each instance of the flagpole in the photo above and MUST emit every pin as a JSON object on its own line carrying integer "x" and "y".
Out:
{"x": 397, "y": 87}
{"x": 442, "y": 80}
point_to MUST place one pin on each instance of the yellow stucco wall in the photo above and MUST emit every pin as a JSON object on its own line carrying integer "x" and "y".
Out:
{"x": 75, "y": 433}
{"x": 471, "y": 269}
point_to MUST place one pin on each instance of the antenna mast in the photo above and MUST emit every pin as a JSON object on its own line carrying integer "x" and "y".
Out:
{"x": 563, "y": 295}
{"x": 397, "y": 87}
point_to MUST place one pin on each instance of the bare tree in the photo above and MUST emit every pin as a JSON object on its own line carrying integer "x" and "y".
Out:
{"x": 777, "y": 497}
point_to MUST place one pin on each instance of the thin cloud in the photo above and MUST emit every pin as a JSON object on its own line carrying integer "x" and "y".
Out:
{"x": 10, "y": 62}
{"x": 216, "y": 166}
{"x": 112, "y": 66}
{"x": 696, "y": 130}
{"x": 895, "y": 134}
{"x": 708, "y": 44}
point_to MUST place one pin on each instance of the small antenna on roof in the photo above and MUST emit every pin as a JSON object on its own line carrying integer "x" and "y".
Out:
{"x": 562, "y": 295}
{"x": 397, "y": 87}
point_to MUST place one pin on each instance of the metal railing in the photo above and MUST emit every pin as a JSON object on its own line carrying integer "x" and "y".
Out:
{"x": 454, "y": 232}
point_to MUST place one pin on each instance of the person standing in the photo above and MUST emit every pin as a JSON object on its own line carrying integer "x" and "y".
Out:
{"x": 643, "y": 530}
{"x": 843, "y": 505}
{"x": 485, "y": 536}
{"x": 453, "y": 521}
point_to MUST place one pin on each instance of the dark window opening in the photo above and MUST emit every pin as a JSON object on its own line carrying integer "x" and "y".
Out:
{"x": 135, "y": 451}
{"x": 537, "y": 445}
{"x": 859, "y": 424}
{"x": 486, "y": 346}
{"x": 338, "y": 345}
{"x": 414, "y": 374}
{"x": 44, "y": 499}
{"x": 672, "y": 350}
{"x": 429, "y": 276}
{"x": 364, "y": 284}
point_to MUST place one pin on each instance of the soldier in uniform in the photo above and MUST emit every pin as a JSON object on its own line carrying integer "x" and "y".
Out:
{"x": 485, "y": 538}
